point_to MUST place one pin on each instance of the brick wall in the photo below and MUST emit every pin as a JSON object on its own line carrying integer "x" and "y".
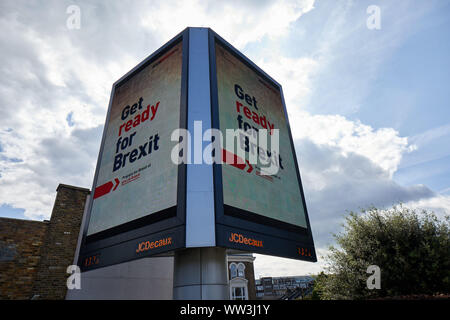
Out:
{"x": 34, "y": 255}
{"x": 20, "y": 250}
{"x": 60, "y": 243}
{"x": 250, "y": 276}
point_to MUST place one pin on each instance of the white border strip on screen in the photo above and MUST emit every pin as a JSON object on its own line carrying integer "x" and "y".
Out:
{"x": 200, "y": 217}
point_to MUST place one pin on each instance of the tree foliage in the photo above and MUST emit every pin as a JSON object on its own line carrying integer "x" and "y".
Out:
{"x": 412, "y": 249}
{"x": 319, "y": 282}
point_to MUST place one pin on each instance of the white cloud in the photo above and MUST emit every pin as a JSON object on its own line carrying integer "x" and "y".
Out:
{"x": 243, "y": 22}
{"x": 269, "y": 266}
{"x": 439, "y": 204}
{"x": 385, "y": 147}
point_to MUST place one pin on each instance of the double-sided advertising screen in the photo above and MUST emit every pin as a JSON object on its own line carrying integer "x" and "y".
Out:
{"x": 143, "y": 203}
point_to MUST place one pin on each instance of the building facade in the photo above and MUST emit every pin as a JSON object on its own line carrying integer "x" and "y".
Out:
{"x": 34, "y": 255}
{"x": 271, "y": 288}
{"x": 241, "y": 276}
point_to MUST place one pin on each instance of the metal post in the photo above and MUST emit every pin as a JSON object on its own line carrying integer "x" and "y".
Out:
{"x": 200, "y": 274}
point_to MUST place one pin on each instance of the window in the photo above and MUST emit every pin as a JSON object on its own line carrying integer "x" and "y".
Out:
{"x": 241, "y": 268}
{"x": 233, "y": 271}
{"x": 238, "y": 288}
{"x": 237, "y": 270}
{"x": 238, "y": 293}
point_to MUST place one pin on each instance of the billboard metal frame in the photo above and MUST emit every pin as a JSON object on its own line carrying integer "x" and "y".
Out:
{"x": 278, "y": 238}
{"x": 117, "y": 244}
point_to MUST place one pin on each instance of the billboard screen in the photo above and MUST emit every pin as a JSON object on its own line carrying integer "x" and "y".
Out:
{"x": 247, "y": 101}
{"x": 137, "y": 205}
{"x": 135, "y": 176}
{"x": 260, "y": 204}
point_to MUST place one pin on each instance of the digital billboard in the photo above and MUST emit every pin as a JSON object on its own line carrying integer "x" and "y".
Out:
{"x": 246, "y": 101}
{"x": 136, "y": 177}
{"x": 138, "y": 194}
{"x": 260, "y": 204}
{"x": 146, "y": 202}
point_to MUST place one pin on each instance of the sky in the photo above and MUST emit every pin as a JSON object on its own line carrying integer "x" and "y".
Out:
{"x": 368, "y": 107}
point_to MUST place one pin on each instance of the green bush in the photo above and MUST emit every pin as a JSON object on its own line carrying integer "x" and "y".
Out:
{"x": 411, "y": 248}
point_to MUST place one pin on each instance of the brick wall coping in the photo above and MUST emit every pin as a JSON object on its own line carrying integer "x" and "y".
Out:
{"x": 61, "y": 185}
{"x": 23, "y": 220}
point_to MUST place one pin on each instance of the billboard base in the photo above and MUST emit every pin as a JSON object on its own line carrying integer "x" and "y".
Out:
{"x": 200, "y": 274}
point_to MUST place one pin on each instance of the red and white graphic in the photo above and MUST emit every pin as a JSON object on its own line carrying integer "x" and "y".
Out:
{"x": 235, "y": 161}
{"x": 106, "y": 188}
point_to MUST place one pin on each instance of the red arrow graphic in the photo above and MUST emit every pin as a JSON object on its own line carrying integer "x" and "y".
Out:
{"x": 232, "y": 159}
{"x": 117, "y": 184}
{"x": 105, "y": 188}
{"x": 235, "y": 161}
{"x": 250, "y": 169}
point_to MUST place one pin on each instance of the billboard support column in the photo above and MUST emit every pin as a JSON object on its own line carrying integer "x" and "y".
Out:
{"x": 200, "y": 274}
